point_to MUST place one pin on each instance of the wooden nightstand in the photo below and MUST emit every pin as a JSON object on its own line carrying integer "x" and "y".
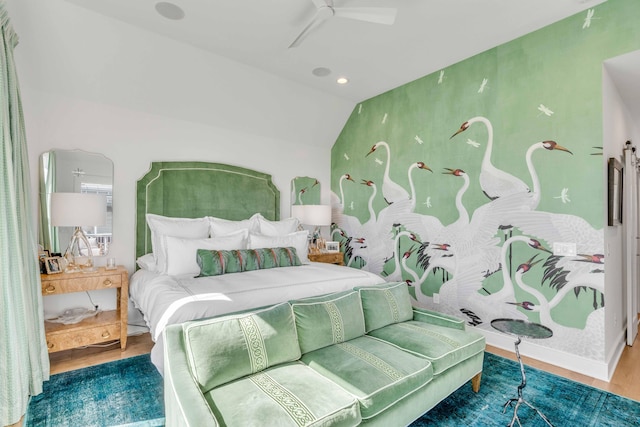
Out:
{"x": 106, "y": 326}
{"x": 328, "y": 257}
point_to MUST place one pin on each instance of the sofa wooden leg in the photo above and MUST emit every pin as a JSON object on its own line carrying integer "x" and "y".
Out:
{"x": 475, "y": 382}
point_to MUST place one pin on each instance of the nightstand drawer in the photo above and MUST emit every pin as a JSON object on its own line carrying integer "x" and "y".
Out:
{"x": 66, "y": 339}
{"x": 328, "y": 257}
{"x": 63, "y": 286}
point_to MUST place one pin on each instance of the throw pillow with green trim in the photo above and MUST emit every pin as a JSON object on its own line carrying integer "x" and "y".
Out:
{"x": 326, "y": 320}
{"x": 216, "y": 262}
{"x": 385, "y": 304}
{"x": 227, "y": 348}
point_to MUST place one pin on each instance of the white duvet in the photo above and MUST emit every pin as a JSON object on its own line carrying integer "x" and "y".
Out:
{"x": 165, "y": 300}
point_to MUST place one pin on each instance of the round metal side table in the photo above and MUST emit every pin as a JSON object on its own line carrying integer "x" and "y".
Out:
{"x": 521, "y": 328}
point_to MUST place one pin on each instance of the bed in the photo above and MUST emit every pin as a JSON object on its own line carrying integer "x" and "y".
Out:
{"x": 185, "y": 206}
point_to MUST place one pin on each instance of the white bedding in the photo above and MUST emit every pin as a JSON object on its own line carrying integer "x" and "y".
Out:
{"x": 166, "y": 300}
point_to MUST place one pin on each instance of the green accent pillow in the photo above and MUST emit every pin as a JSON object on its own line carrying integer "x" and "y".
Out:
{"x": 329, "y": 319}
{"x": 385, "y": 304}
{"x": 227, "y": 348}
{"x": 216, "y": 262}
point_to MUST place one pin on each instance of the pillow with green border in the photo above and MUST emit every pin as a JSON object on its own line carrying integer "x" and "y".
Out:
{"x": 216, "y": 262}
{"x": 329, "y": 319}
{"x": 227, "y": 348}
{"x": 385, "y": 304}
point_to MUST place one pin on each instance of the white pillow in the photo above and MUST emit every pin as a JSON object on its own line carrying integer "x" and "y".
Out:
{"x": 278, "y": 228}
{"x": 147, "y": 262}
{"x": 298, "y": 240}
{"x": 221, "y": 227}
{"x": 161, "y": 227}
{"x": 181, "y": 253}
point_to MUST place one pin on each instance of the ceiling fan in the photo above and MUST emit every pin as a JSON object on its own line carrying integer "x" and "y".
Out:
{"x": 326, "y": 10}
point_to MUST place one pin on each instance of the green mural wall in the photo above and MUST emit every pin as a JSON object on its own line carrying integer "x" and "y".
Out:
{"x": 545, "y": 86}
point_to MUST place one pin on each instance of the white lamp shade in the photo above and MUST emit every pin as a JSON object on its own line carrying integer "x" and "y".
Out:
{"x": 297, "y": 211}
{"x": 316, "y": 215}
{"x": 77, "y": 209}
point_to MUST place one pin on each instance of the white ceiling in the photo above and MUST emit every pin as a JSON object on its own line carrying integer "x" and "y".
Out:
{"x": 427, "y": 35}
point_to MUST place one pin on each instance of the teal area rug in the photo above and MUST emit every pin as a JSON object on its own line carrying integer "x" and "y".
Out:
{"x": 129, "y": 393}
{"x": 126, "y": 392}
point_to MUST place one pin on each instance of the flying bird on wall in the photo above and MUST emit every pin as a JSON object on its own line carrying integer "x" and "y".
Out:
{"x": 564, "y": 196}
{"x": 544, "y": 110}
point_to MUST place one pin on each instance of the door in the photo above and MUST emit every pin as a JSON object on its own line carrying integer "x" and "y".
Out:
{"x": 630, "y": 223}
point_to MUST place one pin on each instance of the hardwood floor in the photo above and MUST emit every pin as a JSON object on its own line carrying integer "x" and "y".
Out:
{"x": 625, "y": 381}
{"x": 77, "y": 358}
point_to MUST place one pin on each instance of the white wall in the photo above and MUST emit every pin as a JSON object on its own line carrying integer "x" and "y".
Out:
{"x": 617, "y": 129}
{"x": 93, "y": 83}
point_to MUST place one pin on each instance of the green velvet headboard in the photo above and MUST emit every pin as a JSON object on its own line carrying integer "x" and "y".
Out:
{"x": 198, "y": 189}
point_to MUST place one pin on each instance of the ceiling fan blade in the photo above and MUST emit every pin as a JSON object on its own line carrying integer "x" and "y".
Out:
{"x": 321, "y": 15}
{"x": 377, "y": 15}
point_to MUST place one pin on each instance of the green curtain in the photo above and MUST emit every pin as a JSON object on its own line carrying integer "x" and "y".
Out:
{"x": 48, "y": 233}
{"x": 24, "y": 362}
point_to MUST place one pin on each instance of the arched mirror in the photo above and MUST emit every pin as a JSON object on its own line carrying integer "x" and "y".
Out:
{"x": 305, "y": 191}
{"x": 75, "y": 171}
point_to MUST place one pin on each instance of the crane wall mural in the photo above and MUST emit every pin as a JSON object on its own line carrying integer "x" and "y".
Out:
{"x": 460, "y": 182}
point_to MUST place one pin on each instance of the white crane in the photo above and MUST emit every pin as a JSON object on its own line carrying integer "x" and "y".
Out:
{"x": 588, "y": 342}
{"x": 375, "y": 235}
{"x": 344, "y": 221}
{"x": 391, "y": 191}
{"x": 554, "y": 227}
{"x": 547, "y": 145}
{"x": 493, "y": 181}
{"x": 412, "y": 187}
{"x": 396, "y": 275}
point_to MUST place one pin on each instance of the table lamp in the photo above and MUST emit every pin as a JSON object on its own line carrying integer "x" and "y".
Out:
{"x": 316, "y": 215}
{"x": 78, "y": 210}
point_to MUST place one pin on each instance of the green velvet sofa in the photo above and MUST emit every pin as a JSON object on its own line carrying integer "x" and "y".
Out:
{"x": 363, "y": 357}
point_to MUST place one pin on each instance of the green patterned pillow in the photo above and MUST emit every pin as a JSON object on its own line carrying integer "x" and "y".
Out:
{"x": 224, "y": 349}
{"x": 385, "y": 304}
{"x": 216, "y": 262}
{"x": 329, "y": 319}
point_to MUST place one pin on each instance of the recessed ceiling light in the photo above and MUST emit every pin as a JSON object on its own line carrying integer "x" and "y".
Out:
{"x": 321, "y": 72}
{"x": 342, "y": 80}
{"x": 170, "y": 10}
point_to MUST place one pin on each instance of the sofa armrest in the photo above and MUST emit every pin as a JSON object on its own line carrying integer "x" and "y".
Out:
{"x": 185, "y": 405}
{"x": 435, "y": 318}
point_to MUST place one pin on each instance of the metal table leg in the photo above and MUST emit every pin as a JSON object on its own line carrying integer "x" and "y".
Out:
{"x": 520, "y": 400}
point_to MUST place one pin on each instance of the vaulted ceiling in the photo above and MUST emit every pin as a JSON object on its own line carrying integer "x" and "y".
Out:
{"x": 427, "y": 35}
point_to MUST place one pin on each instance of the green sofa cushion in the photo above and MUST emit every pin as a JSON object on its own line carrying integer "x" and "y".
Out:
{"x": 328, "y": 319}
{"x": 377, "y": 373}
{"x": 224, "y": 349}
{"x": 285, "y": 395}
{"x": 443, "y": 346}
{"x": 385, "y": 304}
{"x": 216, "y": 262}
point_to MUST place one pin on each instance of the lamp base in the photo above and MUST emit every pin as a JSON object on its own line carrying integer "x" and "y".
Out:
{"x": 75, "y": 259}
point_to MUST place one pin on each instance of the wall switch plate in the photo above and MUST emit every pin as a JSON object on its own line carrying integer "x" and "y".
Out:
{"x": 436, "y": 298}
{"x": 564, "y": 249}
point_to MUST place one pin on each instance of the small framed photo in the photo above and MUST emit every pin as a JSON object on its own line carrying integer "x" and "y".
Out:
{"x": 52, "y": 265}
{"x": 333, "y": 247}
{"x": 44, "y": 253}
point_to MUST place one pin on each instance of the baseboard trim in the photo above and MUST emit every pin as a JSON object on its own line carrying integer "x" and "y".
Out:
{"x": 593, "y": 368}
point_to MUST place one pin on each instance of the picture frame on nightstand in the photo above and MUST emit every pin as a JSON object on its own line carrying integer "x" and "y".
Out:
{"x": 42, "y": 255}
{"x": 333, "y": 247}
{"x": 52, "y": 265}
